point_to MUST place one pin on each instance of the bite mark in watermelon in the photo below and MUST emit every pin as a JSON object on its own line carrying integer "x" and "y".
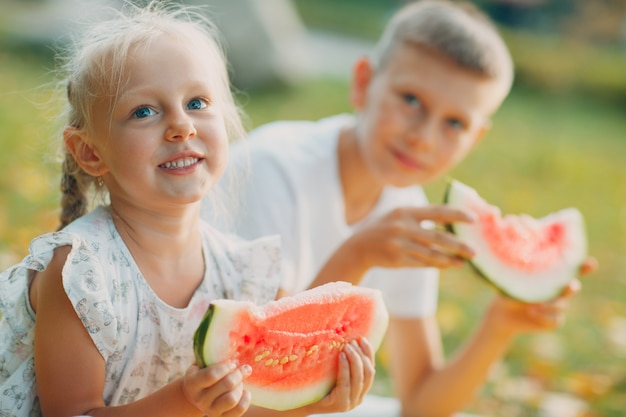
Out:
{"x": 292, "y": 344}
{"x": 529, "y": 259}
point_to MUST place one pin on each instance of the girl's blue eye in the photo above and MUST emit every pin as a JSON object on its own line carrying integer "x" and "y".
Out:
{"x": 196, "y": 104}
{"x": 143, "y": 112}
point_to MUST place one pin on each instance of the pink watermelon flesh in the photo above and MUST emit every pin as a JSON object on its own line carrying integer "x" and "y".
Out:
{"x": 291, "y": 344}
{"x": 526, "y": 258}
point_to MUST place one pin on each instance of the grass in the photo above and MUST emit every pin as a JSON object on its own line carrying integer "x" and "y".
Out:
{"x": 545, "y": 152}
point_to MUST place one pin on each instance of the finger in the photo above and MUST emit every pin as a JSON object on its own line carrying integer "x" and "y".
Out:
{"x": 213, "y": 373}
{"x": 353, "y": 352}
{"x": 543, "y": 319}
{"x": 419, "y": 255}
{"x": 339, "y": 397}
{"x": 196, "y": 380}
{"x": 225, "y": 393}
{"x": 369, "y": 368}
{"x": 450, "y": 244}
{"x": 589, "y": 265}
{"x": 241, "y": 407}
{"x": 443, "y": 214}
{"x": 367, "y": 349}
{"x": 572, "y": 288}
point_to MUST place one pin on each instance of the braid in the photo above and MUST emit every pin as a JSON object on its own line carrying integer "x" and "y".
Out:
{"x": 74, "y": 184}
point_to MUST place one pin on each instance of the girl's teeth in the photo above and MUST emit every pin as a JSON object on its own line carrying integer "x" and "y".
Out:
{"x": 180, "y": 163}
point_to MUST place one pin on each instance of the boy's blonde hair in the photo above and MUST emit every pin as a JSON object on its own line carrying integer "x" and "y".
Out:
{"x": 95, "y": 70}
{"x": 458, "y": 30}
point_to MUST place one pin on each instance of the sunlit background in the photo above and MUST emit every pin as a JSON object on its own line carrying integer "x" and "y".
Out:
{"x": 558, "y": 141}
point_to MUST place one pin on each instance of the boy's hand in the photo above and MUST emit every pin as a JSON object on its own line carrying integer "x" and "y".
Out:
{"x": 217, "y": 390}
{"x": 398, "y": 240}
{"x": 355, "y": 377}
{"x": 518, "y": 317}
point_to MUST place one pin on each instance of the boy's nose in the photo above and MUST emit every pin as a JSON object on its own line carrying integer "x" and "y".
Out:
{"x": 180, "y": 129}
{"x": 422, "y": 135}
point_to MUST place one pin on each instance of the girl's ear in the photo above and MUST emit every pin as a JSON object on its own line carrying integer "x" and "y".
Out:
{"x": 85, "y": 154}
{"x": 362, "y": 74}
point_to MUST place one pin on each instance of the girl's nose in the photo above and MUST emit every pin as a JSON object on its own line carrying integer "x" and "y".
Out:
{"x": 180, "y": 129}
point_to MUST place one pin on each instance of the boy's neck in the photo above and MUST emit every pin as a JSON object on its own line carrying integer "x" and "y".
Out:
{"x": 361, "y": 191}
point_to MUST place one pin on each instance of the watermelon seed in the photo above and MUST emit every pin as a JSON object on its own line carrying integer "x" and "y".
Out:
{"x": 269, "y": 362}
{"x": 293, "y": 358}
{"x": 284, "y": 360}
{"x": 312, "y": 349}
{"x": 275, "y": 362}
{"x": 258, "y": 358}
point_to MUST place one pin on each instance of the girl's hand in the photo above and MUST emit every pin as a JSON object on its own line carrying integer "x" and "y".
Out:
{"x": 398, "y": 240}
{"x": 355, "y": 377}
{"x": 519, "y": 317}
{"x": 217, "y": 390}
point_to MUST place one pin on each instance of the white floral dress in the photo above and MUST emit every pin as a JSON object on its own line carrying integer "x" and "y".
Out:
{"x": 145, "y": 342}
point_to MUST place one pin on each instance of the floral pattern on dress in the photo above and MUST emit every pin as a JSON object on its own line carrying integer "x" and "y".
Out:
{"x": 145, "y": 342}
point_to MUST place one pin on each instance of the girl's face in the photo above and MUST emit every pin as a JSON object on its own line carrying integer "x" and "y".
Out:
{"x": 419, "y": 115}
{"x": 164, "y": 141}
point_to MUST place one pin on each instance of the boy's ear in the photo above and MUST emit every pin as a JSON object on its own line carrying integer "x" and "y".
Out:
{"x": 86, "y": 156}
{"x": 482, "y": 131}
{"x": 362, "y": 74}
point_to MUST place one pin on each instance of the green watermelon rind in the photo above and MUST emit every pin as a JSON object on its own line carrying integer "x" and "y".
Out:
{"x": 200, "y": 335}
{"x": 574, "y": 273}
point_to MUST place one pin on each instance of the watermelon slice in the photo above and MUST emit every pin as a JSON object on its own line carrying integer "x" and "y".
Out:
{"x": 526, "y": 258}
{"x": 292, "y": 344}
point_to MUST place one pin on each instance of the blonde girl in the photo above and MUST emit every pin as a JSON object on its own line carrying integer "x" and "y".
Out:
{"x": 98, "y": 319}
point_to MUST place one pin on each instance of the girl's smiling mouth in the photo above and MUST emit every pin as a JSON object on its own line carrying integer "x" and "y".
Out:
{"x": 180, "y": 163}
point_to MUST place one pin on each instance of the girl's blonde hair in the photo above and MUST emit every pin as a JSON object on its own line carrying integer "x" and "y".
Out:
{"x": 94, "y": 70}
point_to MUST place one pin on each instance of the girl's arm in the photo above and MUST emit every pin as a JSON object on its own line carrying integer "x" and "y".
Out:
{"x": 71, "y": 371}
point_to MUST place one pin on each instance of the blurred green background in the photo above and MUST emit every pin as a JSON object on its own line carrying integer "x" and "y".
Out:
{"x": 558, "y": 141}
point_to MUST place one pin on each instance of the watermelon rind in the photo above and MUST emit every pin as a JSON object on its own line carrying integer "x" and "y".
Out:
{"x": 528, "y": 286}
{"x": 212, "y": 341}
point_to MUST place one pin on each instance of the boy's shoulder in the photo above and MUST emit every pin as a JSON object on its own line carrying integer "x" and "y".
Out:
{"x": 292, "y": 140}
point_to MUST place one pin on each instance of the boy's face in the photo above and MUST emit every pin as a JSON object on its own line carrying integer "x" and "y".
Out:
{"x": 419, "y": 115}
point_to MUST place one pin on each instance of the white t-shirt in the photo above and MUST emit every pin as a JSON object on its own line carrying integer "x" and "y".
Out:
{"x": 144, "y": 341}
{"x": 292, "y": 188}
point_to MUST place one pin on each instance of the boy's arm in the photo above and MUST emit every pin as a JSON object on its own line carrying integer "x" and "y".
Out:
{"x": 398, "y": 240}
{"x": 425, "y": 384}
{"x": 429, "y": 387}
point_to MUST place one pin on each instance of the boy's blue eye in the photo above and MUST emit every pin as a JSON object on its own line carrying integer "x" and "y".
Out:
{"x": 456, "y": 124}
{"x": 143, "y": 112}
{"x": 411, "y": 100}
{"x": 196, "y": 104}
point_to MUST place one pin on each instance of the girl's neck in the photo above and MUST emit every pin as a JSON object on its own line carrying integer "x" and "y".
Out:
{"x": 166, "y": 248}
{"x": 150, "y": 229}
{"x": 361, "y": 190}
